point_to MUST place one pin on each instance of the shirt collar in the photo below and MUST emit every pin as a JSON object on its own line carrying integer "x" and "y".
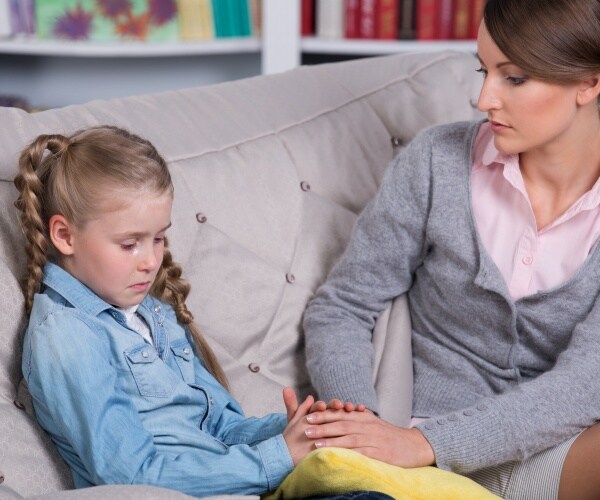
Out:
{"x": 74, "y": 291}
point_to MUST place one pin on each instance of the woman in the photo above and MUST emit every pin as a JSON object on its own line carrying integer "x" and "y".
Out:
{"x": 490, "y": 228}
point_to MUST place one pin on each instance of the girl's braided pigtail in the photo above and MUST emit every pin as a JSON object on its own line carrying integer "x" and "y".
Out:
{"x": 171, "y": 288}
{"x": 31, "y": 186}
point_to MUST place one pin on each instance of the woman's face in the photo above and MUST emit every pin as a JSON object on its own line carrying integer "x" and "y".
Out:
{"x": 526, "y": 114}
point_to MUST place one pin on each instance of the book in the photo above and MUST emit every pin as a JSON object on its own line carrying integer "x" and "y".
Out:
{"x": 386, "y": 19}
{"x": 461, "y": 28}
{"x": 330, "y": 22}
{"x": 256, "y": 16}
{"x": 406, "y": 20}
{"x": 106, "y": 20}
{"x": 307, "y": 17}
{"x": 351, "y": 18}
{"x": 427, "y": 19}
{"x": 476, "y": 16}
{"x": 195, "y": 20}
{"x": 367, "y": 19}
{"x": 22, "y": 17}
{"x": 231, "y": 18}
{"x": 6, "y": 22}
{"x": 445, "y": 19}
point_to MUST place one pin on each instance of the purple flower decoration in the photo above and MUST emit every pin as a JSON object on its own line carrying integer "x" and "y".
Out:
{"x": 75, "y": 24}
{"x": 114, "y": 8}
{"x": 161, "y": 11}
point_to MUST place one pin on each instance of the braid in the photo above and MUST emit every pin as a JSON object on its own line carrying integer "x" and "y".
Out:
{"x": 30, "y": 202}
{"x": 171, "y": 288}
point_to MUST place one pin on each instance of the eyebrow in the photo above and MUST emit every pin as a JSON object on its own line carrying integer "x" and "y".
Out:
{"x": 499, "y": 65}
{"x": 139, "y": 234}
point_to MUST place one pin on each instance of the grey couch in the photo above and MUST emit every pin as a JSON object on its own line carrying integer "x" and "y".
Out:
{"x": 270, "y": 174}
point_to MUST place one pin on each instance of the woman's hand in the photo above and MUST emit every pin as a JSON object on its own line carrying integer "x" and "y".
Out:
{"x": 371, "y": 436}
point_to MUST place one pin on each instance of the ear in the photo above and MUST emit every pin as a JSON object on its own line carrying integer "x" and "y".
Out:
{"x": 589, "y": 90}
{"x": 61, "y": 234}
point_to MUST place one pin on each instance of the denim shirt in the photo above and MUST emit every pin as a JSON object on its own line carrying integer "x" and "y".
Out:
{"x": 123, "y": 411}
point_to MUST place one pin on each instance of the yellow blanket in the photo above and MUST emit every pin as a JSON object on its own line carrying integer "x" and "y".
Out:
{"x": 334, "y": 471}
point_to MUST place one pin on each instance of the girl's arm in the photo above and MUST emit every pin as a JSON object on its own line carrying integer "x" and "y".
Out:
{"x": 100, "y": 434}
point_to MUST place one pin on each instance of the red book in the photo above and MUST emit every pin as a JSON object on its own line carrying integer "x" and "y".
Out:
{"x": 386, "y": 19}
{"x": 476, "y": 16}
{"x": 307, "y": 18}
{"x": 445, "y": 9}
{"x": 352, "y": 18}
{"x": 461, "y": 28}
{"x": 427, "y": 19}
{"x": 366, "y": 22}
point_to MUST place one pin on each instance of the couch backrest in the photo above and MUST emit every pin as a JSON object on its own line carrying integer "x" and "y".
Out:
{"x": 270, "y": 174}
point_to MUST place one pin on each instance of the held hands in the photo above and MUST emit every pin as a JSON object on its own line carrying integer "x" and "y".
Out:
{"x": 336, "y": 424}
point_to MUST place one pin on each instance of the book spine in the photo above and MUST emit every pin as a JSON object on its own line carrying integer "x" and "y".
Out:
{"x": 476, "y": 16}
{"x": 5, "y": 19}
{"x": 195, "y": 19}
{"x": 352, "y": 8}
{"x": 427, "y": 19}
{"x": 256, "y": 15}
{"x": 445, "y": 19}
{"x": 330, "y": 18}
{"x": 242, "y": 16}
{"x": 366, "y": 24}
{"x": 407, "y": 26}
{"x": 307, "y": 17}
{"x": 386, "y": 19}
{"x": 16, "y": 23}
{"x": 461, "y": 23}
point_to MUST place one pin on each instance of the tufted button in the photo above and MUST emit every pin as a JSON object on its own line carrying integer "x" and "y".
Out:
{"x": 145, "y": 354}
{"x": 468, "y": 413}
{"x": 473, "y": 103}
{"x": 290, "y": 278}
{"x": 1, "y": 477}
{"x": 397, "y": 142}
{"x": 19, "y": 405}
{"x": 253, "y": 367}
{"x": 201, "y": 218}
{"x": 305, "y": 186}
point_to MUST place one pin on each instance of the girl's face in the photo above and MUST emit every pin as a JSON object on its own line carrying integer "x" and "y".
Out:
{"x": 118, "y": 254}
{"x": 525, "y": 114}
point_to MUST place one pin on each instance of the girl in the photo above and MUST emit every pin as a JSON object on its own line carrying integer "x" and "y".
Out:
{"x": 491, "y": 229}
{"x": 121, "y": 378}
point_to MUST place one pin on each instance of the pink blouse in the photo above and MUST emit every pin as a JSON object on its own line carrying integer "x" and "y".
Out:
{"x": 530, "y": 260}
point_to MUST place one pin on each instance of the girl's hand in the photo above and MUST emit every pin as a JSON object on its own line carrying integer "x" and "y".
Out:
{"x": 371, "y": 436}
{"x": 295, "y": 432}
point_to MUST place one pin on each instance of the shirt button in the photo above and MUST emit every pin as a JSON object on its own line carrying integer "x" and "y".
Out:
{"x": 305, "y": 186}
{"x": 156, "y": 309}
{"x": 253, "y": 367}
{"x": 186, "y": 350}
{"x": 290, "y": 278}
{"x": 527, "y": 260}
{"x": 144, "y": 354}
{"x": 201, "y": 218}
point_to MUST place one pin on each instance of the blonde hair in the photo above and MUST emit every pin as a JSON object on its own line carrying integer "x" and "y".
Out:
{"x": 70, "y": 176}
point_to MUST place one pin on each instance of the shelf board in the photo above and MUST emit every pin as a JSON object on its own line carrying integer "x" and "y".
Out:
{"x": 314, "y": 45}
{"x": 68, "y": 48}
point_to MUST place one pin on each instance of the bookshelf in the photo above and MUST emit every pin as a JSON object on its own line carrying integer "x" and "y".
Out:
{"x": 58, "y": 73}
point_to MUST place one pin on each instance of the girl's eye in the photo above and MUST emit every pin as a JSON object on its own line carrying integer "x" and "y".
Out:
{"x": 127, "y": 246}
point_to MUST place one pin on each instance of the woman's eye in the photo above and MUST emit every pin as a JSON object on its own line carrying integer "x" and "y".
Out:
{"x": 516, "y": 80}
{"x": 482, "y": 71}
{"x": 159, "y": 239}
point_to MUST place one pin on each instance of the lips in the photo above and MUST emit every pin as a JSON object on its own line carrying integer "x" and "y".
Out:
{"x": 140, "y": 287}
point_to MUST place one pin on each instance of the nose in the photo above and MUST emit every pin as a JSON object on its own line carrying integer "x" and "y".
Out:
{"x": 488, "y": 97}
{"x": 148, "y": 260}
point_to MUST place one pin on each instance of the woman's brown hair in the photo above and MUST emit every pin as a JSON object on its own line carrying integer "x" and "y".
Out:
{"x": 71, "y": 176}
{"x": 552, "y": 40}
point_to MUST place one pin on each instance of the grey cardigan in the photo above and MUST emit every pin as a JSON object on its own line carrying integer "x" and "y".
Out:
{"x": 501, "y": 379}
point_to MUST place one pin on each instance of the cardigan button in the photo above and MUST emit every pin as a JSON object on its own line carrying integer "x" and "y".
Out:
{"x": 253, "y": 367}
{"x": 201, "y": 218}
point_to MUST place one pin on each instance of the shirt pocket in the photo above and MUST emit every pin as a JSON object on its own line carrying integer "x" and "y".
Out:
{"x": 152, "y": 376}
{"x": 184, "y": 357}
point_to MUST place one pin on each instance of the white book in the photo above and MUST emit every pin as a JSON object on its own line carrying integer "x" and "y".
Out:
{"x": 5, "y": 19}
{"x": 330, "y": 18}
